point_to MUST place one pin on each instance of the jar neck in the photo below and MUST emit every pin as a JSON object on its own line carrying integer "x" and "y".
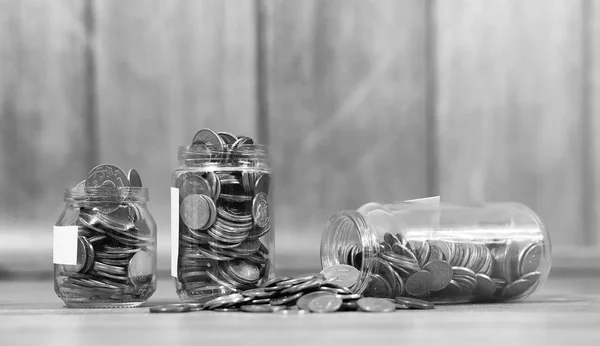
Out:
{"x": 350, "y": 239}
{"x": 253, "y": 155}
{"x": 80, "y": 195}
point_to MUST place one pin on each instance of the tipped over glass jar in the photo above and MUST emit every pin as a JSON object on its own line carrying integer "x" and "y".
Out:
{"x": 105, "y": 242}
{"x": 441, "y": 253}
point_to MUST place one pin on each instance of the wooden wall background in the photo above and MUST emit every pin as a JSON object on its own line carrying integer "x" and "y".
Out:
{"x": 359, "y": 100}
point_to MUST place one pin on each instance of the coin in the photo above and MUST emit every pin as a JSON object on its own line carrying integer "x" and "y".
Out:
{"x": 261, "y": 308}
{"x": 341, "y": 274}
{"x": 208, "y": 136}
{"x": 419, "y": 283}
{"x": 141, "y": 268}
{"x": 244, "y": 271}
{"x": 215, "y": 184}
{"x": 303, "y": 302}
{"x": 325, "y": 303}
{"x": 485, "y": 286}
{"x": 262, "y": 183}
{"x": 442, "y": 274}
{"x": 517, "y": 288}
{"x": 170, "y": 308}
{"x": 228, "y": 138}
{"x": 103, "y": 174}
{"x": 376, "y": 305}
{"x": 414, "y": 303}
{"x": 260, "y": 209}
{"x": 378, "y": 287}
{"x": 194, "y": 184}
{"x": 194, "y": 211}
{"x": 286, "y": 299}
{"x": 530, "y": 259}
{"x": 134, "y": 178}
{"x": 242, "y": 140}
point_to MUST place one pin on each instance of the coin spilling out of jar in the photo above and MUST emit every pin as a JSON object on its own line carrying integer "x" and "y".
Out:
{"x": 311, "y": 293}
{"x": 449, "y": 270}
{"x": 223, "y": 215}
{"x": 116, "y": 241}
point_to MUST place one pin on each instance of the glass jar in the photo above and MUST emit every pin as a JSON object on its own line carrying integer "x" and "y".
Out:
{"x": 105, "y": 248}
{"x": 222, "y": 239}
{"x": 442, "y": 253}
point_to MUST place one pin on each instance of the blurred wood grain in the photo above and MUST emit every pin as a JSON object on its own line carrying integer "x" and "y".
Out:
{"x": 347, "y": 105}
{"x": 44, "y": 122}
{"x": 509, "y": 107}
{"x": 359, "y": 101}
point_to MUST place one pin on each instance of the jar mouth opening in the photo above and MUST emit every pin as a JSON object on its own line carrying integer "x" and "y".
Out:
{"x": 106, "y": 195}
{"x": 347, "y": 235}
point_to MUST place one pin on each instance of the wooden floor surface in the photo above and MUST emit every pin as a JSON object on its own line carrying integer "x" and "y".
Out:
{"x": 565, "y": 311}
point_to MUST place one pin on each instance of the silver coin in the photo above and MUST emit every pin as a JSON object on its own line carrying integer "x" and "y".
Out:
{"x": 287, "y": 299}
{"x": 260, "y": 209}
{"x": 263, "y": 183}
{"x": 244, "y": 271}
{"x": 414, "y": 303}
{"x": 134, "y": 178}
{"x": 419, "y": 283}
{"x": 376, "y": 305}
{"x": 485, "y": 286}
{"x": 242, "y": 140}
{"x": 141, "y": 268}
{"x": 194, "y": 184}
{"x": 102, "y": 174}
{"x": 530, "y": 259}
{"x": 341, "y": 274}
{"x": 228, "y": 138}
{"x": 442, "y": 274}
{"x": 208, "y": 136}
{"x": 378, "y": 287}
{"x": 170, "y": 308}
{"x": 325, "y": 303}
{"x": 262, "y": 308}
{"x": 215, "y": 185}
{"x": 195, "y": 211}
{"x": 303, "y": 302}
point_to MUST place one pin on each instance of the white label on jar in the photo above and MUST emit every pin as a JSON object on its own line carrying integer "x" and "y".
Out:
{"x": 174, "y": 230}
{"x": 64, "y": 245}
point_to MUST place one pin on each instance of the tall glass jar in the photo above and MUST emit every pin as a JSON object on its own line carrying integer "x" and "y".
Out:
{"x": 222, "y": 239}
{"x": 105, "y": 248}
{"x": 442, "y": 253}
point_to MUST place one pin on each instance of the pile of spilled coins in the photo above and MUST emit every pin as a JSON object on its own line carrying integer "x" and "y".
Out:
{"x": 115, "y": 243}
{"x": 439, "y": 270}
{"x": 320, "y": 293}
{"x": 223, "y": 214}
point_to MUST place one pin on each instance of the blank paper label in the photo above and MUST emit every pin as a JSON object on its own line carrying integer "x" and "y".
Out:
{"x": 64, "y": 245}
{"x": 174, "y": 230}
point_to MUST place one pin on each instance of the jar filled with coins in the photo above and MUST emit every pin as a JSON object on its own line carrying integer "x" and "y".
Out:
{"x": 222, "y": 239}
{"x": 441, "y": 253}
{"x": 105, "y": 242}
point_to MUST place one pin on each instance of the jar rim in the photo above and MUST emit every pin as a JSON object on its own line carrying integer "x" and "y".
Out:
{"x": 203, "y": 154}
{"x": 114, "y": 195}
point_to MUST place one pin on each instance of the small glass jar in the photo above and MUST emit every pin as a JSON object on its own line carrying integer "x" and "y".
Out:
{"x": 442, "y": 253}
{"x": 222, "y": 238}
{"x": 110, "y": 237}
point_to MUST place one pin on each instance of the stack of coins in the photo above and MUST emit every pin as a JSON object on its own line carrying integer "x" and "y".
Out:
{"x": 223, "y": 215}
{"x": 447, "y": 270}
{"x": 116, "y": 243}
{"x": 318, "y": 293}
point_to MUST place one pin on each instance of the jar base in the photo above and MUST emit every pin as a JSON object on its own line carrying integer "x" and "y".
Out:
{"x": 101, "y": 305}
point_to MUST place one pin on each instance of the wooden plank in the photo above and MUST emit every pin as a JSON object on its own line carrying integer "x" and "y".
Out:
{"x": 509, "y": 108}
{"x": 165, "y": 70}
{"x": 347, "y": 109}
{"x": 44, "y": 124}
